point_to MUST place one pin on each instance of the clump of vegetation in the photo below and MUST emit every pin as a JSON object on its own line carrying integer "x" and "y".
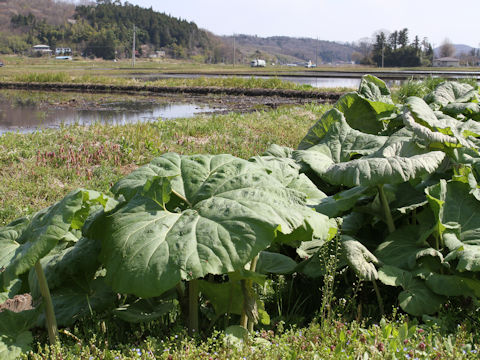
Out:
{"x": 365, "y": 208}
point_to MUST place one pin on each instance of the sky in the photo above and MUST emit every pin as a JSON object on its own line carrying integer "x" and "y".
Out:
{"x": 334, "y": 20}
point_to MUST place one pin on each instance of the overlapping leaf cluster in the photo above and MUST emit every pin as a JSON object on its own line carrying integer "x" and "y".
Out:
{"x": 403, "y": 178}
{"x": 174, "y": 220}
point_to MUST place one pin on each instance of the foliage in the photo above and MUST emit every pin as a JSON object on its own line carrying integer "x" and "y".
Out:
{"x": 395, "y": 50}
{"x": 105, "y": 30}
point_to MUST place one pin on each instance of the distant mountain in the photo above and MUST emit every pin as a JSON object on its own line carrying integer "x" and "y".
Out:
{"x": 459, "y": 50}
{"x": 283, "y": 49}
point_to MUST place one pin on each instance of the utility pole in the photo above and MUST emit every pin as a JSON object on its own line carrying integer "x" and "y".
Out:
{"x": 133, "y": 47}
{"x": 383, "y": 52}
{"x": 233, "y": 49}
{"x": 316, "y": 53}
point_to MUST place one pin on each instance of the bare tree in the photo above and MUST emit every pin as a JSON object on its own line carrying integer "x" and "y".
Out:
{"x": 447, "y": 49}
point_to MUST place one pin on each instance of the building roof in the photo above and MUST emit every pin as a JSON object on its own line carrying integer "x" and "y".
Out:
{"x": 447, "y": 59}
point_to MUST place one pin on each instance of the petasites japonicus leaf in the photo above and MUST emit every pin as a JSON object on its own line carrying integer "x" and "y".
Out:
{"x": 402, "y": 249}
{"x": 15, "y": 337}
{"x": 396, "y": 163}
{"x": 452, "y": 92}
{"x": 456, "y": 210}
{"x": 48, "y": 226}
{"x": 343, "y": 141}
{"x": 370, "y": 109}
{"x": 422, "y": 120}
{"x": 416, "y": 298}
{"x": 223, "y": 211}
{"x": 359, "y": 258}
{"x": 374, "y": 89}
{"x": 9, "y": 240}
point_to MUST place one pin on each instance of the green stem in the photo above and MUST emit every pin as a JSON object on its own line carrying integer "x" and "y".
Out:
{"x": 192, "y": 307}
{"x": 379, "y": 297}
{"x": 244, "y": 317}
{"x": 386, "y": 209}
{"x": 247, "y": 289}
{"x": 181, "y": 197}
{"x": 51, "y": 321}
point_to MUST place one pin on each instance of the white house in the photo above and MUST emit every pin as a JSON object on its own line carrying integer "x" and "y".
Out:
{"x": 446, "y": 62}
{"x": 63, "y": 51}
{"x": 44, "y": 49}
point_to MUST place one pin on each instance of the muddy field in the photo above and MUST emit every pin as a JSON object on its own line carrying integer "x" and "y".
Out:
{"x": 220, "y": 103}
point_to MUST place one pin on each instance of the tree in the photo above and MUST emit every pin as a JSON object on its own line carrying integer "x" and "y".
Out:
{"x": 447, "y": 49}
{"x": 393, "y": 40}
{"x": 403, "y": 37}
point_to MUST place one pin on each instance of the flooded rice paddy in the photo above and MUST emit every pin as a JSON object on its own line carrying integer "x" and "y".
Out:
{"x": 24, "y": 111}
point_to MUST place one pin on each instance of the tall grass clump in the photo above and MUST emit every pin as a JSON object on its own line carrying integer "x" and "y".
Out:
{"x": 59, "y": 77}
{"x": 233, "y": 82}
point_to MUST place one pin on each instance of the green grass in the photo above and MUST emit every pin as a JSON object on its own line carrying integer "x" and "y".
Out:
{"x": 273, "y": 83}
{"x": 389, "y": 339}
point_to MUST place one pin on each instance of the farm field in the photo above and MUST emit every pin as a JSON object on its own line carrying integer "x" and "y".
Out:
{"x": 328, "y": 231}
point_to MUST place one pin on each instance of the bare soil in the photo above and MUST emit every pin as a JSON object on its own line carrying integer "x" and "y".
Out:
{"x": 18, "y": 303}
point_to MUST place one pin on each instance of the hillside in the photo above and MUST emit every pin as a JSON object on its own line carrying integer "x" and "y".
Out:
{"x": 102, "y": 29}
{"x": 53, "y": 12}
{"x": 285, "y": 49}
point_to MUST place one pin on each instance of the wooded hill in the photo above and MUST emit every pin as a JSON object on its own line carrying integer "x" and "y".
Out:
{"x": 104, "y": 29}
{"x": 283, "y": 49}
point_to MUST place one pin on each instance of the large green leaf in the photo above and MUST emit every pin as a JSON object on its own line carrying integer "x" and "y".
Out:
{"x": 15, "y": 338}
{"x": 422, "y": 120}
{"x": 73, "y": 303}
{"x": 49, "y": 226}
{"x": 469, "y": 110}
{"x": 343, "y": 141}
{"x": 226, "y": 211}
{"x": 342, "y": 201}
{"x": 402, "y": 249}
{"x": 75, "y": 265}
{"x": 143, "y": 310}
{"x": 287, "y": 172}
{"x": 393, "y": 164}
{"x": 9, "y": 240}
{"x": 416, "y": 298}
{"x": 374, "y": 89}
{"x": 275, "y": 263}
{"x": 452, "y": 92}
{"x": 453, "y": 285}
{"x": 456, "y": 210}
{"x": 363, "y": 114}
{"x": 359, "y": 258}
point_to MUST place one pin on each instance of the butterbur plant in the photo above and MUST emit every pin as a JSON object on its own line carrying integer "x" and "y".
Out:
{"x": 185, "y": 217}
{"x": 26, "y": 242}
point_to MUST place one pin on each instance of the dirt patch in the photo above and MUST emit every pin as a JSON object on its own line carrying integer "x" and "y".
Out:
{"x": 18, "y": 303}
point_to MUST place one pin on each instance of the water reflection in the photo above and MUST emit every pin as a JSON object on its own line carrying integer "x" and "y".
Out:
{"x": 25, "y": 116}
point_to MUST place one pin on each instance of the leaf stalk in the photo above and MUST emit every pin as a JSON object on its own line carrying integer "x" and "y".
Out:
{"x": 386, "y": 209}
{"x": 51, "y": 321}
